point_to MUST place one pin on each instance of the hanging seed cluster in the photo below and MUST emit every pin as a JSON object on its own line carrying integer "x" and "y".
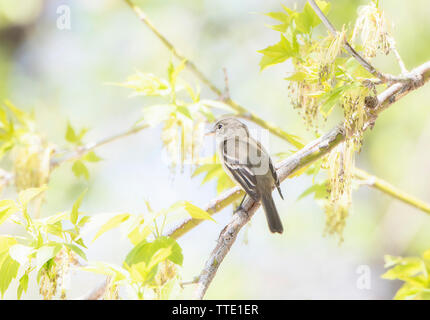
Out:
{"x": 55, "y": 275}
{"x": 315, "y": 75}
{"x": 371, "y": 30}
{"x": 340, "y": 164}
{"x": 183, "y": 139}
{"x": 31, "y": 162}
{"x": 355, "y": 115}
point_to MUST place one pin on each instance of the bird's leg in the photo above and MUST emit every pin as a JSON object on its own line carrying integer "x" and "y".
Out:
{"x": 240, "y": 205}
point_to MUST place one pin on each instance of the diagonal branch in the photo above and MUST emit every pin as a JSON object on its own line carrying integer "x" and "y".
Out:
{"x": 82, "y": 150}
{"x": 391, "y": 190}
{"x": 240, "y": 110}
{"x": 405, "y": 77}
{"x": 310, "y": 153}
{"x": 300, "y": 159}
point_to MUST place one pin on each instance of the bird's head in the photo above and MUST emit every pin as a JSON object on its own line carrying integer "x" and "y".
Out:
{"x": 228, "y": 128}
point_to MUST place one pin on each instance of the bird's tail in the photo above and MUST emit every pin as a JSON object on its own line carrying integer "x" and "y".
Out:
{"x": 272, "y": 216}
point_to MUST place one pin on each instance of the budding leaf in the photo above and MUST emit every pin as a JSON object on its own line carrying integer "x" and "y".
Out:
{"x": 75, "y": 209}
{"x": 8, "y": 272}
{"x": 277, "y": 53}
{"x": 80, "y": 170}
{"x": 91, "y": 157}
{"x": 112, "y": 223}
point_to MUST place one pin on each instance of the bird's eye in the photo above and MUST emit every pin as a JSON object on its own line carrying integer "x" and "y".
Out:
{"x": 219, "y": 126}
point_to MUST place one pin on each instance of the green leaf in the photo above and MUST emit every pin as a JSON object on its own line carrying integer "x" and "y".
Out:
{"x": 56, "y": 218}
{"x": 46, "y": 253}
{"x": 70, "y": 134}
{"x": 73, "y": 137}
{"x": 277, "y": 53}
{"x": 407, "y": 292}
{"x": 80, "y": 242}
{"x": 55, "y": 229}
{"x": 91, "y": 157}
{"x": 205, "y": 168}
{"x": 144, "y": 251}
{"x": 426, "y": 255}
{"x": 8, "y": 272}
{"x": 112, "y": 223}
{"x": 84, "y": 220}
{"x": 173, "y": 71}
{"x": 7, "y": 208}
{"x": 224, "y": 182}
{"x": 139, "y": 234}
{"x": 406, "y": 269}
{"x": 319, "y": 191}
{"x": 23, "y": 117}
{"x": 23, "y": 285}
{"x": 185, "y": 111}
{"x": 117, "y": 273}
{"x": 147, "y": 84}
{"x": 297, "y": 76}
{"x": 308, "y": 19}
{"x": 75, "y": 209}
{"x": 80, "y": 170}
{"x": 280, "y": 16}
{"x": 216, "y": 172}
{"x": 279, "y": 27}
{"x": 5, "y": 243}
{"x": 194, "y": 211}
{"x": 76, "y": 250}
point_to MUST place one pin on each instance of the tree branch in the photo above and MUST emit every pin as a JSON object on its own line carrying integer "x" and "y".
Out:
{"x": 82, "y": 150}
{"x": 399, "y": 59}
{"x": 405, "y": 77}
{"x": 216, "y": 205}
{"x": 241, "y": 111}
{"x": 308, "y": 154}
{"x": 391, "y": 190}
{"x": 300, "y": 159}
{"x": 98, "y": 292}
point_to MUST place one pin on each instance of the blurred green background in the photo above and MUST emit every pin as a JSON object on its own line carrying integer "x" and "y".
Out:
{"x": 64, "y": 74}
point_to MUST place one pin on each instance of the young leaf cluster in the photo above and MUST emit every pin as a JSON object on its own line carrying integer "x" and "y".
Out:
{"x": 49, "y": 247}
{"x": 414, "y": 271}
{"x": 150, "y": 269}
{"x": 182, "y": 114}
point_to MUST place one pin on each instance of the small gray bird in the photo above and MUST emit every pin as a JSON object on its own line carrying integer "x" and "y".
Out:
{"x": 249, "y": 165}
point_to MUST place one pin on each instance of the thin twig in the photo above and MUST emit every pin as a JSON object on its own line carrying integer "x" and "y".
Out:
{"x": 383, "y": 76}
{"x": 226, "y": 95}
{"x": 391, "y": 190}
{"x": 142, "y": 16}
{"x": 399, "y": 59}
{"x": 241, "y": 111}
{"x": 81, "y": 151}
{"x": 348, "y": 47}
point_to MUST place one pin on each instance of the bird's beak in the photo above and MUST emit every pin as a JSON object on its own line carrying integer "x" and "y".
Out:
{"x": 210, "y": 133}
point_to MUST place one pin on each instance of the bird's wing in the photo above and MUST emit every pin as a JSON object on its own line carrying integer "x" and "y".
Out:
{"x": 234, "y": 152}
{"x": 275, "y": 176}
{"x": 271, "y": 168}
